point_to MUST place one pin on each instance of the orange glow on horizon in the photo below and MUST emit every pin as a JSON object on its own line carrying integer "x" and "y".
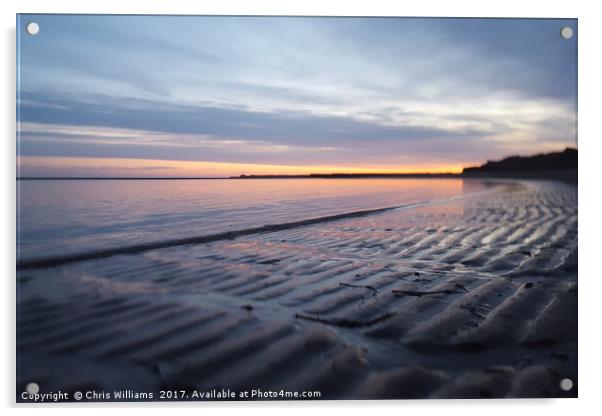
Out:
{"x": 111, "y": 167}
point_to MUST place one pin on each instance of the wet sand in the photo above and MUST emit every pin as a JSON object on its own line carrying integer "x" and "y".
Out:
{"x": 470, "y": 297}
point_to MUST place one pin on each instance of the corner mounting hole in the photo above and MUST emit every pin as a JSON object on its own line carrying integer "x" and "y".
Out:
{"x": 32, "y": 28}
{"x": 32, "y": 388}
{"x": 566, "y": 32}
{"x": 566, "y": 384}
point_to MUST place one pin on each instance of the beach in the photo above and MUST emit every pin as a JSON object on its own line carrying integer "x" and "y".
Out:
{"x": 468, "y": 291}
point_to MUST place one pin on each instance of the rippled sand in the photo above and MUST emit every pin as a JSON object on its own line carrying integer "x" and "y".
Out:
{"x": 470, "y": 297}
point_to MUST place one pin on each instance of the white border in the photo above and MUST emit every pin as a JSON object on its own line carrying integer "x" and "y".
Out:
{"x": 590, "y": 153}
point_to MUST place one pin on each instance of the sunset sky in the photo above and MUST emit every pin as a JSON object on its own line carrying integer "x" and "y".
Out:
{"x": 221, "y": 96}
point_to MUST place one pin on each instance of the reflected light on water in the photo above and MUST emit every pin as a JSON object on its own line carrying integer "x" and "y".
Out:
{"x": 59, "y": 216}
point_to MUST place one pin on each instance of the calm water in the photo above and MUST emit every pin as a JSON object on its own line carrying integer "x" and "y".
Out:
{"x": 58, "y": 217}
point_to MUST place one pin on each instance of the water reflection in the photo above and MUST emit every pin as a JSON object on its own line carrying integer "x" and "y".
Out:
{"x": 59, "y": 216}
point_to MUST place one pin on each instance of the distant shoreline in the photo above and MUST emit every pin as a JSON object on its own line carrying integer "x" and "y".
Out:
{"x": 559, "y": 174}
{"x": 107, "y": 178}
{"x": 555, "y": 165}
{"x": 310, "y": 176}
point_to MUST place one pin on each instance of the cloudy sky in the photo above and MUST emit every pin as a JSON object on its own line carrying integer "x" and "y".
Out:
{"x": 214, "y": 96}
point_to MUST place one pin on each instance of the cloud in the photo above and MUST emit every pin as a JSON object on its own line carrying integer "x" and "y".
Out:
{"x": 296, "y": 90}
{"x": 283, "y": 127}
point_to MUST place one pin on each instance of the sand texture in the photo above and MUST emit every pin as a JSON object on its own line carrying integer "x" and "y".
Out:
{"x": 471, "y": 297}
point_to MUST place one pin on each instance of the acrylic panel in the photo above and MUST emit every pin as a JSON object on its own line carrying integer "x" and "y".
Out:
{"x": 295, "y": 208}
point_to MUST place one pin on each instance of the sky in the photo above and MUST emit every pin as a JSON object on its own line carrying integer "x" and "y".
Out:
{"x": 169, "y": 96}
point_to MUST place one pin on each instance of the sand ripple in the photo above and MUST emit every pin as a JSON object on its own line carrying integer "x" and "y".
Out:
{"x": 472, "y": 297}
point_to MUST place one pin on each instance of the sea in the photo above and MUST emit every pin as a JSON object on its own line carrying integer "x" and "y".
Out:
{"x": 58, "y": 217}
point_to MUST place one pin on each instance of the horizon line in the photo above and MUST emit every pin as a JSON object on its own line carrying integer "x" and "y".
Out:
{"x": 242, "y": 176}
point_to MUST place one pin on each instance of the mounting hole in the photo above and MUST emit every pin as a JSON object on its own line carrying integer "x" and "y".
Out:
{"x": 32, "y": 28}
{"x": 566, "y": 384}
{"x": 32, "y": 388}
{"x": 566, "y": 32}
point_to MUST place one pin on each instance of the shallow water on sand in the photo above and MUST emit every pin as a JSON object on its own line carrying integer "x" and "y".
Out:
{"x": 473, "y": 297}
{"x": 57, "y": 217}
